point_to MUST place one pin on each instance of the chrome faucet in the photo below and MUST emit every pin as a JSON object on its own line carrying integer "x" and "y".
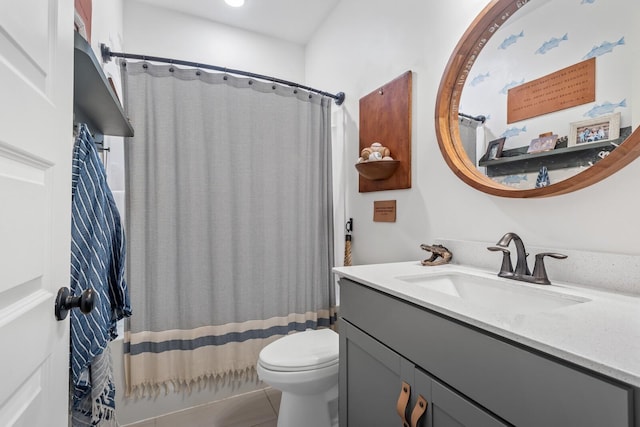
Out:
{"x": 522, "y": 271}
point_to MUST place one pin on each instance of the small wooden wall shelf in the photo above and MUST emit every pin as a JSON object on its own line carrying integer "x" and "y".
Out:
{"x": 385, "y": 117}
{"x": 378, "y": 170}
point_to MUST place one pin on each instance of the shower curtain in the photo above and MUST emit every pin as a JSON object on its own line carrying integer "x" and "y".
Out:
{"x": 229, "y": 222}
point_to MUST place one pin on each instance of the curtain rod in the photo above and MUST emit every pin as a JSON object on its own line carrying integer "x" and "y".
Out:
{"x": 480, "y": 119}
{"x": 107, "y": 54}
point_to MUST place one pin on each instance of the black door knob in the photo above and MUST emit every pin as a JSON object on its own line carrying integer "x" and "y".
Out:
{"x": 65, "y": 302}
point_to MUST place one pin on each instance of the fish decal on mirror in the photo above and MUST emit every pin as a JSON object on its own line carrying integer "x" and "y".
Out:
{"x": 605, "y": 108}
{"x": 511, "y": 40}
{"x": 605, "y": 47}
{"x": 513, "y": 132}
{"x": 508, "y": 86}
{"x": 550, "y": 44}
{"x": 587, "y": 1}
{"x": 479, "y": 79}
{"x": 512, "y": 179}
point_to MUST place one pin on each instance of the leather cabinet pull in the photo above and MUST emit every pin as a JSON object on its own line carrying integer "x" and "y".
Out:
{"x": 403, "y": 402}
{"x": 418, "y": 411}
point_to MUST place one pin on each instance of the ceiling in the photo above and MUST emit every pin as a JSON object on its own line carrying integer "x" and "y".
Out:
{"x": 291, "y": 20}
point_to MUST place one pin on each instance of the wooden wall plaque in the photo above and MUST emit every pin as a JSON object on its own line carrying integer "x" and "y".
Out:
{"x": 385, "y": 117}
{"x": 384, "y": 211}
{"x": 566, "y": 88}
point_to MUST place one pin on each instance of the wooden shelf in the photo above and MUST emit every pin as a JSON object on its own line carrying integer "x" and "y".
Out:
{"x": 377, "y": 170}
{"x": 94, "y": 101}
{"x": 518, "y": 161}
{"x": 385, "y": 117}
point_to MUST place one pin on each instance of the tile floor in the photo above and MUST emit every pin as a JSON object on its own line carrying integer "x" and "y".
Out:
{"x": 255, "y": 409}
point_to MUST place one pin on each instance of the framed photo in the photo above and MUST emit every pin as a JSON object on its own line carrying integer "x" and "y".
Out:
{"x": 494, "y": 150}
{"x": 599, "y": 129}
{"x": 543, "y": 143}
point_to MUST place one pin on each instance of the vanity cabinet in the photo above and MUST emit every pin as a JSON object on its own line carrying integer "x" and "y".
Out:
{"x": 374, "y": 378}
{"x": 468, "y": 376}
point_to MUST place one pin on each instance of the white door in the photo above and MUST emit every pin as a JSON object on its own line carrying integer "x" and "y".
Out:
{"x": 36, "y": 94}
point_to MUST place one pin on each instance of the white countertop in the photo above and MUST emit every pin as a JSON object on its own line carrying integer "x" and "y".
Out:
{"x": 601, "y": 334}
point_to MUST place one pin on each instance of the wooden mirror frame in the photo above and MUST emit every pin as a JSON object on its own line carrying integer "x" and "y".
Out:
{"x": 447, "y": 126}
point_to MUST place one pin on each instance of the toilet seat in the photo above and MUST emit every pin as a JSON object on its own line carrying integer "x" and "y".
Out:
{"x": 301, "y": 351}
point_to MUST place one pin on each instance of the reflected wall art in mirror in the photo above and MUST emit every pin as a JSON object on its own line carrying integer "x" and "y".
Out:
{"x": 554, "y": 80}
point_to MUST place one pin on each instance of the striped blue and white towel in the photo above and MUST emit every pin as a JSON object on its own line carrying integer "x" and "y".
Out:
{"x": 97, "y": 262}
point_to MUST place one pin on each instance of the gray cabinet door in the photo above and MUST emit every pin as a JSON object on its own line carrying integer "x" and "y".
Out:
{"x": 371, "y": 377}
{"x": 449, "y": 409}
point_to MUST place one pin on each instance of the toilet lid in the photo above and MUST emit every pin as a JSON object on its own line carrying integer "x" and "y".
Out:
{"x": 301, "y": 351}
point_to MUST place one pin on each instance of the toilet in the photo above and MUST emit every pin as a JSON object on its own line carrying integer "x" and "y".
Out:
{"x": 304, "y": 366}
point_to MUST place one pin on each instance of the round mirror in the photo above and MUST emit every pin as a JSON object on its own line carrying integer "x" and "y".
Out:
{"x": 535, "y": 100}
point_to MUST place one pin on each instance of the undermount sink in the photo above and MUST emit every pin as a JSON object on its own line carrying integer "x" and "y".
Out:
{"x": 496, "y": 294}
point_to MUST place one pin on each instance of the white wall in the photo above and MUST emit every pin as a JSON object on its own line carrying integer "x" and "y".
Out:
{"x": 365, "y": 44}
{"x": 160, "y": 32}
{"x": 107, "y": 29}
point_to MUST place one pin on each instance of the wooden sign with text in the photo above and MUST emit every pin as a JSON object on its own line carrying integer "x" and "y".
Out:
{"x": 569, "y": 87}
{"x": 384, "y": 211}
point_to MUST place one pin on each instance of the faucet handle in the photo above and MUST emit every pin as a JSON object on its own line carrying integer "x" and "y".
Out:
{"x": 539, "y": 270}
{"x": 506, "y": 269}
